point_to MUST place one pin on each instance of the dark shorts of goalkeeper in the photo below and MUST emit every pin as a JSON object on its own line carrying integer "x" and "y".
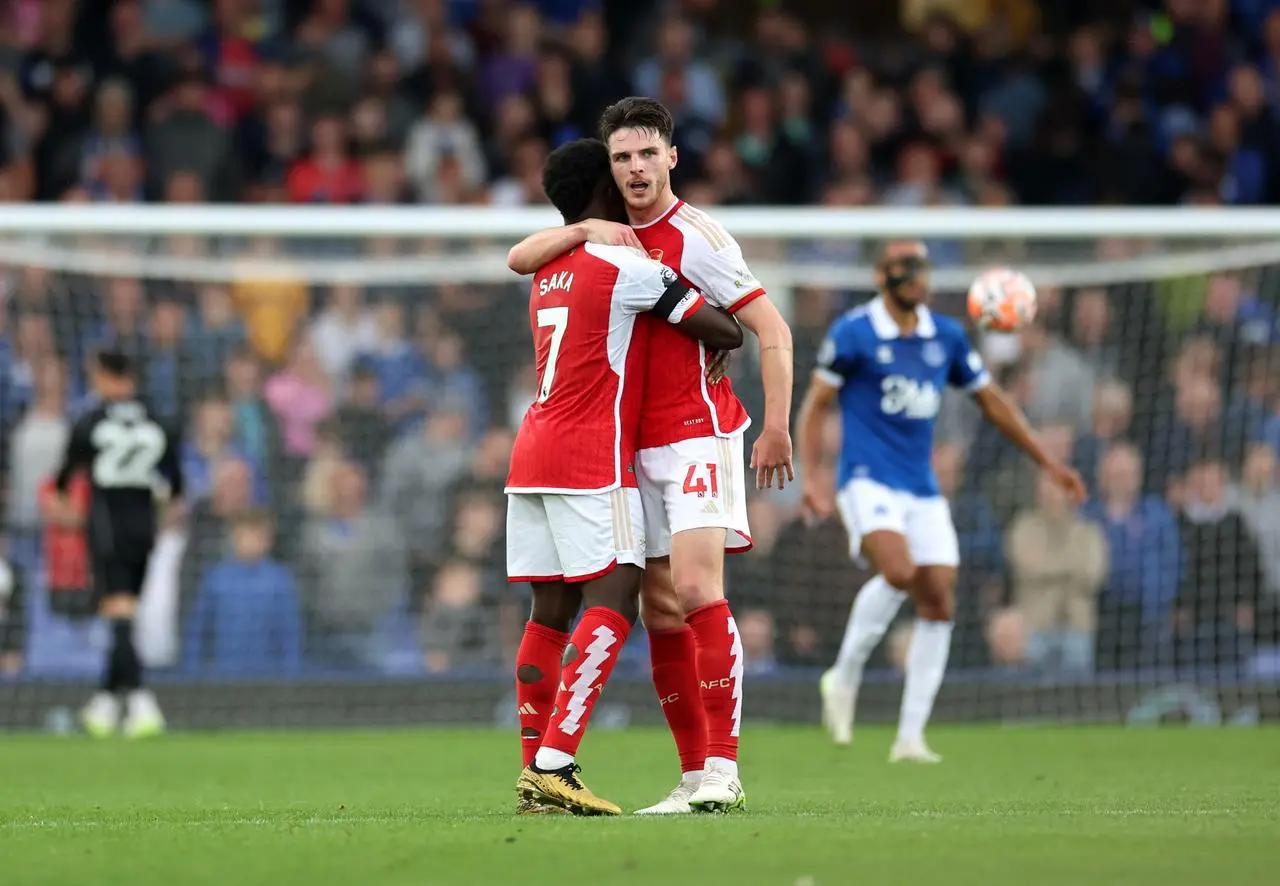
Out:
{"x": 123, "y": 570}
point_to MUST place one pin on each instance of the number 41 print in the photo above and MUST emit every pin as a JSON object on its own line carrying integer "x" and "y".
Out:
{"x": 696, "y": 484}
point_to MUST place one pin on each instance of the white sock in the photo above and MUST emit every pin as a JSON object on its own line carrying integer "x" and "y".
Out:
{"x": 724, "y": 764}
{"x": 693, "y": 776}
{"x": 926, "y": 663}
{"x": 549, "y": 758}
{"x": 873, "y": 610}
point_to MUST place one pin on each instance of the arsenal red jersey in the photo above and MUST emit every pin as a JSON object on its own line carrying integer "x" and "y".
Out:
{"x": 579, "y": 436}
{"x": 678, "y": 402}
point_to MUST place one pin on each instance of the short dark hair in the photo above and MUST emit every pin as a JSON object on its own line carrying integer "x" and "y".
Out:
{"x": 573, "y": 176}
{"x": 114, "y": 362}
{"x": 637, "y": 112}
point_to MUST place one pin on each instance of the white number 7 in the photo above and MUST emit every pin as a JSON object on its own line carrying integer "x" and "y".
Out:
{"x": 558, "y": 319}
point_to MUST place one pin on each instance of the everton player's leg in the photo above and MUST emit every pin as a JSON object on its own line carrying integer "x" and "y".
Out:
{"x": 926, "y": 535}
{"x": 589, "y": 658}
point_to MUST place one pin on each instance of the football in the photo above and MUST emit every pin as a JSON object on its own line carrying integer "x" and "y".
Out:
{"x": 1002, "y": 300}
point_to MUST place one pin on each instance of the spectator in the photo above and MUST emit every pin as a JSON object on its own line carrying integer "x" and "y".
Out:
{"x": 353, "y": 574}
{"x": 456, "y": 383}
{"x": 167, "y": 371}
{"x": 13, "y": 609}
{"x": 757, "y": 630}
{"x": 215, "y": 333}
{"x": 361, "y": 425}
{"x": 210, "y": 444}
{"x": 343, "y": 330}
{"x": 1145, "y": 563}
{"x": 183, "y": 137}
{"x": 300, "y": 396}
{"x": 329, "y": 455}
{"x": 1258, "y": 497}
{"x": 209, "y": 525}
{"x": 1092, "y": 334}
{"x": 328, "y": 174}
{"x": 1112, "y": 414}
{"x": 1194, "y": 426}
{"x": 675, "y": 53}
{"x": 981, "y": 583}
{"x": 444, "y": 132}
{"x": 458, "y": 630}
{"x": 399, "y": 368}
{"x": 246, "y": 588}
{"x": 1058, "y": 562}
{"x": 1246, "y": 415}
{"x": 271, "y": 306}
{"x": 1061, "y": 381}
{"x": 255, "y": 431}
{"x": 36, "y": 446}
{"x": 1217, "y": 604}
{"x": 66, "y": 553}
{"x": 330, "y": 32}
{"x": 420, "y": 468}
{"x": 112, "y": 136}
{"x": 511, "y": 70}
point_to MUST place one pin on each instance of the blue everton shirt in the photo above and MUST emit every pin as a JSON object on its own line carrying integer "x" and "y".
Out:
{"x": 891, "y": 389}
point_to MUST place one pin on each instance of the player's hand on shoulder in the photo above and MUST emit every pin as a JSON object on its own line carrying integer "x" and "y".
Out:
{"x": 1068, "y": 480}
{"x": 771, "y": 457}
{"x": 611, "y": 233}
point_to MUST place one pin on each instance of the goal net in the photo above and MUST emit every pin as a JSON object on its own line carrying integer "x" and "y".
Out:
{"x": 357, "y": 376}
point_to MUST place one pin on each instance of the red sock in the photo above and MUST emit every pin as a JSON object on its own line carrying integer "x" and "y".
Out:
{"x": 593, "y": 651}
{"x": 673, "y": 655}
{"x": 719, "y": 675}
{"x": 537, "y": 671}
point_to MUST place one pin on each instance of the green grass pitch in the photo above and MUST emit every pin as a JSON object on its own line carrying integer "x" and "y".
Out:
{"x": 1008, "y": 806}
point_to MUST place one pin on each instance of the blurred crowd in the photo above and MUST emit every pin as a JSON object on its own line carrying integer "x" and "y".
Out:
{"x": 985, "y": 102}
{"x": 346, "y": 445}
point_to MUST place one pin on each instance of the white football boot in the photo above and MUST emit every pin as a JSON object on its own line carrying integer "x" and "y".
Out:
{"x": 838, "y": 703}
{"x": 912, "y": 750}
{"x": 144, "y": 718}
{"x": 676, "y": 802}
{"x": 101, "y": 716}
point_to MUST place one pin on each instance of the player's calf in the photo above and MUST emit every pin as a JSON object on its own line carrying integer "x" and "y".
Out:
{"x": 673, "y": 659}
{"x": 926, "y": 662}
{"x": 122, "y": 677}
{"x": 589, "y": 659}
{"x": 538, "y": 660}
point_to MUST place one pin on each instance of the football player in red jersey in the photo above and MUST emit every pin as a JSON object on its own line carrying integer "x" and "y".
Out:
{"x": 575, "y": 525}
{"x": 690, "y": 457}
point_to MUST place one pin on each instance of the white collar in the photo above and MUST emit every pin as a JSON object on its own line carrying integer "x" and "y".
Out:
{"x": 887, "y": 328}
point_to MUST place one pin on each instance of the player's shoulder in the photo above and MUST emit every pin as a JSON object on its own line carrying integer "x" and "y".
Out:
{"x": 629, "y": 261}
{"x": 700, "y": 229}
{"x": 949, "y": 328}
{"x": 854, "y": 322}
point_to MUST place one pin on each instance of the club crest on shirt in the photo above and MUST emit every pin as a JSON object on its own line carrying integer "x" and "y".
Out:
{"x": 933, "y": 354}
{"x": 656, "y": 254}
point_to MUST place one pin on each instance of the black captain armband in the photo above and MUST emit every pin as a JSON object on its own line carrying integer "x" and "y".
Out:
{"x": 671, "y": 299}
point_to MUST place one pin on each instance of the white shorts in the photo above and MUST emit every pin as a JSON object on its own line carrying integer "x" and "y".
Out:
{"x": 551, "y": 537}
{"x": 867, "y": 506}
{"x": 694, "y": 484}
